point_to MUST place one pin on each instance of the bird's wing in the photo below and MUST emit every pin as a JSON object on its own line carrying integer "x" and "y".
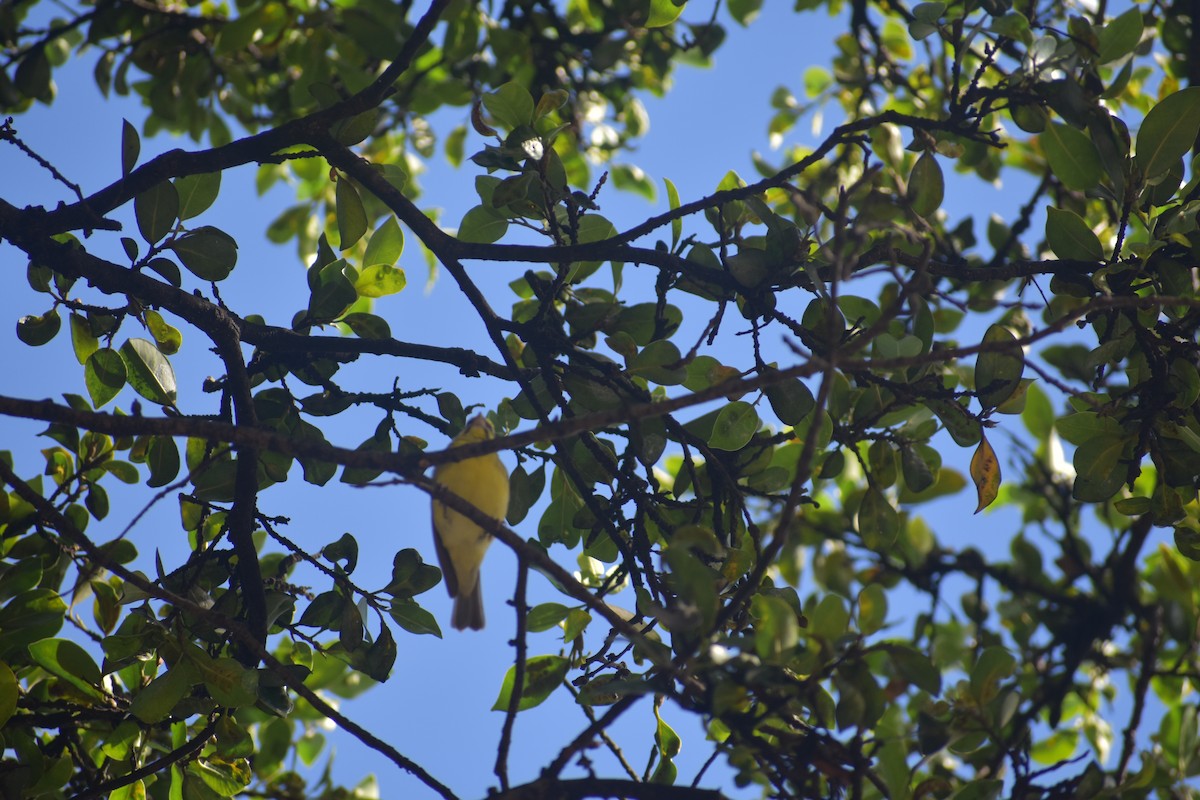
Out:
{"x": 444, "y": 559}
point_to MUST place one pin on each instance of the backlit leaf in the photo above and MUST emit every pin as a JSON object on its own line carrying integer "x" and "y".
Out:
{"x": 1072, "y": 156}
{"x": 543, "y": 674}
{"x": 1168, "y": 131}
{"x": 985, "y": 471}
{"x": 1070, "y": 237}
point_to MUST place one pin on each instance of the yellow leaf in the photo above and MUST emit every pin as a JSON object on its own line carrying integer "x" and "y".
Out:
{"x": 985, "y": 471}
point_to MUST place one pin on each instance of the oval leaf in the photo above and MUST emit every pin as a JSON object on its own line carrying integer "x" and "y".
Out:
{"x": 926, "y": 185}
{"x": 386, "y": 244}
{"x": 734, "y": 426}
{"x": 149, "y": 372}
{"x": 543, "y": 674}
{"x": 1168, "y": 131}
{"x": 351, "y": 216}
{"x": 207, "y": 252}
{"x": 998, "y": 371}
{"x": 1070, "y": 237}
{"x": 985, "y": 471}
{"x": 156, "y": 210}
{"x": 1072, "y": 156}
{"x": 104, "y": 375}
{"x": 482, "y": 225}
{"x": 197, "y": 193}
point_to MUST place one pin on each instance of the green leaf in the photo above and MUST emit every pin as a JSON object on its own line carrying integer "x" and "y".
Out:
{"x": 104, "y": 374}
{"x": 350, "y": 132}
{"x": 168, "y": 270}
{"x": 659, "y": 362}
{"x": 545, "y": 616}
{"x": 669, "y": 745}
{"x": 664, "y": 12}
{"x": 872, "y": 608}
{"x": 83, "y": 341}
{"x": 482, "y": 225}
{"x": 33, "y": 76}
{"x": 209, "y": 253}
{"x": 1072, "y": 156}
{"x": 1084, "y": 426}
{"x": 791, "y": 400}
{"x": 162, "y": 457}
{"x": 455, "y": 141}
{"x": 228, "y": 682}
{"x": 37, "y": 330}
{"x": 380, "y": 656}
{"x": 351, "y": 215}
{"x": 1168, "y": 131}
{"x": 878, "y": 520}
{"x": 368, "y": 326}
{"x": 631, "y": 178}
{"x": 344, "y": 549}
{"x": 917, "y": 470}
{"x": 380, "y": 280}
{"x": 167, "y": 337}
{"x": 524, "y": 490}
{"x": 156, "y": 210}
{"x": 131, "y": 146}
{"x": 1186, "y": 539}
{"x": 1119, "y": 36}
{"x": 1070, "y": 237}
{"x": 998, "y": 372}
{"x": 333, "y": 291}
{"x": 413, "y": 618}
{"x": 386, "y": 244}
{"x": 735, "y": 425}
{"x": 926, "y": 185}
{"x": 69, "y": 661}
{"x": 744, "y": 11}
{"x": 197, "y": 193}
{"x": 830, "y": 620}
{"x": 223, "y": 778}
{"x": 677, "y": 223}
{"x": 149, "y": 372}
{"x": 31, "y": 615}
{"x": 410, "y": 575}
{"x": 511, "y": 105}
{"x": 550, "y": 102}
{"x": 916, "y": 668}
{"x": 155, "y": 701}
{"x": 994, "y": 665}
{"x": 1099, "y": 473}
{"x": 543, "y": 674}
{"x": 9, "y": 693}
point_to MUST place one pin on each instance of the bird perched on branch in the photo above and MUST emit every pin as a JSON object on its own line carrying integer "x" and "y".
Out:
{"x": 461, "y": 543}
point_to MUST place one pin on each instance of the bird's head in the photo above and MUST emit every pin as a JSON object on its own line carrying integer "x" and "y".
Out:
{"x": 479, "y": 429}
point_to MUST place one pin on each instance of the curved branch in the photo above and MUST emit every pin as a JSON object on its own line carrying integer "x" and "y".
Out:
{"x": 146, "y": 770}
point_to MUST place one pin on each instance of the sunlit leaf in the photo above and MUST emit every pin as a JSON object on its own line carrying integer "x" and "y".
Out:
{"x": 985, "y": 471}
{"x": 543, "y": 674}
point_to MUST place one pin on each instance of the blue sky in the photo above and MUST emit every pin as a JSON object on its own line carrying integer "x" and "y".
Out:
{"x": 435, "y": 708}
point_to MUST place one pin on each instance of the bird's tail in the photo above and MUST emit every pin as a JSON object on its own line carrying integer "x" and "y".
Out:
{"x": 468, "y": 609}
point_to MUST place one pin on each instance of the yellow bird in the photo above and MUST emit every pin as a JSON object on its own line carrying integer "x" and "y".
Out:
{"x": 483, "y": 482}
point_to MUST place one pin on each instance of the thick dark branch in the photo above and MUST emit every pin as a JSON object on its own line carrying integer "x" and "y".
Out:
{"x": 113, "y": 279}
{"x": 404, "y": 464}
